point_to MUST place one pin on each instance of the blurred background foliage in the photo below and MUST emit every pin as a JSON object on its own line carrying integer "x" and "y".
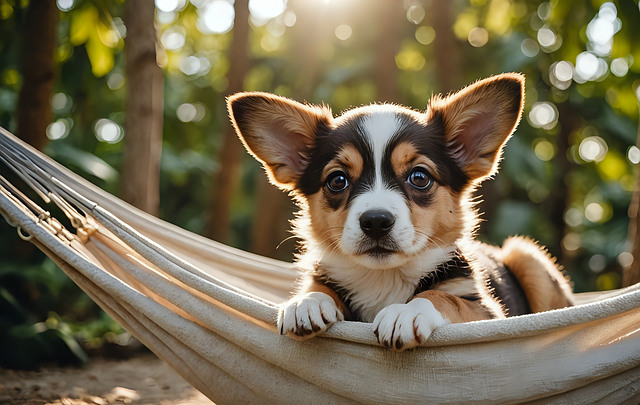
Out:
{"x": 566, "y": 180}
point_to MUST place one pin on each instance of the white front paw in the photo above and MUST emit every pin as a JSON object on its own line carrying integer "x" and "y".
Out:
{"x": 307, "y": 315}
{"x": 404, "y": 326}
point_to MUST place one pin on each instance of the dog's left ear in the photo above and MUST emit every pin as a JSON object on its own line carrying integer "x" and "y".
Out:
{"x": 478, "y": 120}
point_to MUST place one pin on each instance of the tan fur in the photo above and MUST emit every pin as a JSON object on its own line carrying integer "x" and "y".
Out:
{"x": 442, "y": 219}
{"x": 348, "y": 160}
{"x": 544, "y": 285}
{"x": 455, "y": 309}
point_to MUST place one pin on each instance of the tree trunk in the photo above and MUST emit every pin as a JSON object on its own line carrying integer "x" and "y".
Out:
{"x": 230, "y": 157}
{"x": 38, "y": 72}
{"x": 145, "y": 97}
{"x": 391, "y": 16}
{"x": 446, "y": 46}
{"x": 631, "y": 274}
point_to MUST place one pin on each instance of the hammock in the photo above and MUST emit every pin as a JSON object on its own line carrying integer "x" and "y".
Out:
{"x": 208, "y": 310}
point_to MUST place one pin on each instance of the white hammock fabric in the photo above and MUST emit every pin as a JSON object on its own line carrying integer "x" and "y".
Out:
{"x": 208, "y": 310}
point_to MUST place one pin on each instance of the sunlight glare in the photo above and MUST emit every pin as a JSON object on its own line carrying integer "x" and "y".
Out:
{"x": 586, "y": 66}
{"x": 217, "y": 18}
{"x": 169, "y": 6}
{"x": 65, "y": 5}
{"x": 266, "y": 9}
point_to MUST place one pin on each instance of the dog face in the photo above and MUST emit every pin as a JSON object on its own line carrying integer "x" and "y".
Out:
{"x": 382, "y": 184}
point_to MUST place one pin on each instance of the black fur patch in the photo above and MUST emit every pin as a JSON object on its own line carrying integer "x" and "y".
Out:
{"x": 457, "y": 267}
{"x": 329, "y": 142}
{"x": 427, "y": 138}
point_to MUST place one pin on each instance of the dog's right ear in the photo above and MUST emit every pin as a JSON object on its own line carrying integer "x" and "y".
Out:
{"x": 278, "y": 132}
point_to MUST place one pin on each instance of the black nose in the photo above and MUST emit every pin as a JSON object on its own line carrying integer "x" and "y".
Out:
{"x": 376, "y": 223}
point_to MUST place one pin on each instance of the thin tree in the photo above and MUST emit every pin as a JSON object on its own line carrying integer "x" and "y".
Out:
{"x": 38, "y": 72}
{"x": 389, "y": 15}
{"x": 230, "y": 157}
{"x": 145, "y": 97}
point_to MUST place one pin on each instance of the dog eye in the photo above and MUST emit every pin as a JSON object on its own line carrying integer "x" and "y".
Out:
{"x": 337, "y": 181}
{"x": 419, "y": 178}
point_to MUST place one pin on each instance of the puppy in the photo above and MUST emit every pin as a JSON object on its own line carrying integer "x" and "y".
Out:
{"x": 386, "y": 218}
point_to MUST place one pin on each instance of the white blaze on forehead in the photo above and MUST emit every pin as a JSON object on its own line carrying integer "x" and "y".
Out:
{"x": 379, "y": 127}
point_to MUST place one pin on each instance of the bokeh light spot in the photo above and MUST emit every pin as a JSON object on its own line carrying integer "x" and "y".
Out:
{"x": 597, "y": 263}
{"x": 529, "y": 47}
{"x": 115, "y": 81}
{"x": 633, "y": 154}
{"x": 416, "y": 14}
{"x": 571, "y": 242}
{"x": 173, "y": 38}
{"x": 478, "y": 37}
{"x": 169, "y": 6}
{"x": 573, "y": 217}
{"x": 544, "y": 115}
{"x": 65, "y": 5}
{"x": 619, "y": 67}
{"x": 58, "y": 129}
{"x": 343, "y": 32}
{"x": 561, "y": 74}
{"x": 425, "y": 35}
{"x": 594, "y": 212}
{"x": 546, "y": 37}
{"x": 289, "y": 19}
{"x": 59, "y": 102}
{"x": 190, "y": 65}
{"x": 592, "y": 149}
{"x": 266, "y": 9}
{"x": 544, "y": 150}
{"x": 217, "y": 18}
{"x": 625, "y": 259}
{"x": 108, "y": 131}
{"x": 186, "y": 112}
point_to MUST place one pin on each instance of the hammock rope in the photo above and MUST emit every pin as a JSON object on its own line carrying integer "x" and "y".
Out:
{"x": 209, "y": 311}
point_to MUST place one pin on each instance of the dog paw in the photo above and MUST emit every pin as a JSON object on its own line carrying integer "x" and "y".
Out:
{"x": 404, "y": 326}
{"x": 307, "y": 315}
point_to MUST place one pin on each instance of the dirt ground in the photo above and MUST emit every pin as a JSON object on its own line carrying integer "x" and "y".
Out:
{"x": 141, "y": 380}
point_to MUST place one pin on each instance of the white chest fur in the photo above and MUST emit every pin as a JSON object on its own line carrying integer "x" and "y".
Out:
{"x": 371, "y": 290}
